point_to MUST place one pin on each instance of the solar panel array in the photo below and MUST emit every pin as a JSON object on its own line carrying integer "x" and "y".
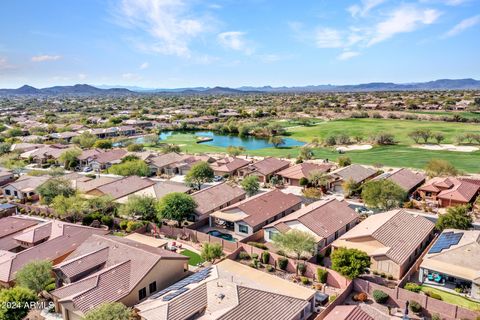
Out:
{"x": 445, "y": 241}
{"x": 180, "y": 287}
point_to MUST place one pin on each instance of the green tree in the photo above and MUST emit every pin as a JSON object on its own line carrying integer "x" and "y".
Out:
{"x": 199, "y": 174}
{"x": 103, "y": 144}
{"x": 20, "y": 298}
{"x": 251, "y": 185}
{"x": 350, "y": 262}
{"x": 73, "y": 206}
{"x": 85, "y": 140}
{"x": 110, "y": 311}
{"x": 306, "y": 153}
{"x": 69, "y": 158}
{"x": 440, "y": 168}
{"x": 135, "y": 147}
{"x": 383, "y": 194}
{"x": 439, "y": 137}
{"x": 276, "y": 141}
{"x": 176, "y": 206}
{"x": 350, "y": 187}
{"x": 167, "y": 148}
{"x": 457, "y": 217}
{"x": 295, "y": 241}
{"x": 143, "y": 206}
{"x": 35, "y": 275}
{"x": 344, "y": 161}
{"x": 211, "y": 251}
{"x": 318, "y": 178}
{"x": 55, "y": 187}
{"x": 130, "y": 168}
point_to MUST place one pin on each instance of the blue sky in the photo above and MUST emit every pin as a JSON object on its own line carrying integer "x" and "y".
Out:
{"x": 181, "y": 43}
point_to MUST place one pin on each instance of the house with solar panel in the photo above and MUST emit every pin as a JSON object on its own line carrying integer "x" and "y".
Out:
{"x": 453, "y": 261}
{"x": 113, "y": 269}
{"x": 230, "y": 291}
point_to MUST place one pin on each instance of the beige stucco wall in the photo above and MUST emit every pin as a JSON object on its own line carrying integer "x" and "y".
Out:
{"x": 382, "y": 264}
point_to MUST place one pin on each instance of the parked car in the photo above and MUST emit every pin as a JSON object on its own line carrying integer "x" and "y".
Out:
{"x": 87, "y": 169}
{"x": 217, "y": 178}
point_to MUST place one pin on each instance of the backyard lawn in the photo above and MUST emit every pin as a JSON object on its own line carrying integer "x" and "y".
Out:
{"x": 194, "y": 258}
{"x": 454, "y": 299}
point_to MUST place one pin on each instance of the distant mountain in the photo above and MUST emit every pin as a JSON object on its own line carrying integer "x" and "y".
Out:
{"x": 88, "y": 90}
{"x": 78, "y": 89}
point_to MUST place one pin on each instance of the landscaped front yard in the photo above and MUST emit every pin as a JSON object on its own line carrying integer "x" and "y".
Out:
{"x": 454, "y": 298}
{"x": 194, "y": 258}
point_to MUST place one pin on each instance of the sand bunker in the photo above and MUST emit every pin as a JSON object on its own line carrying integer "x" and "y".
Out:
{"x": 446, "y": 147}
{"x": 355, "y": 147}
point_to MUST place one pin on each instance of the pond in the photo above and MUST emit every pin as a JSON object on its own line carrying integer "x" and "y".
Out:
{"x": 222, "y": 140}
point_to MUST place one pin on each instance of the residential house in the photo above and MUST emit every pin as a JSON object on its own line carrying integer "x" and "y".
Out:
{"x": 87, "y": 156}
{"x": 9, "y": 226}
{"x": 49, "y": 240}
{"x": 350, "y": 312}
{"x": 6, "y": 177}
{"x": 113, "y": 269}
{"x": 450, "y": 191}
{"x": 108, "y": 158}
{"x": 393, "y": 240}
{"x": 264, "y": 169}
{"x": 121, "y": 188}
{"x": 406, "y": 179}
{"x": 25, "y": 187}
{"x": 24, "y": 147}
{"x": 293, "y": 175}
{"x": 46, "y": 153}
{"x": 66, "y": 136}
{"x": 325, "y": 220}
{"x": 228, "y": 166}
{"x": 453, "y": 261}
{"x": 214, "y": 198}
{"x": 158, "y": 190}
{"x": 252, "y": 214}
{"x": 230, "y": 291}
{"x": 165, "y": 163}
{"x": 355, "y": 172}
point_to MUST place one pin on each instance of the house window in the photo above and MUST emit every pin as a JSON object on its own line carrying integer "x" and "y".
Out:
{"x": 15, "y": 193}
{"x": 7, "y": 192}
{"x": 242, "y": 228}
{"x": 152, "y": 287}
{"x": 142, "y": 294}
{"x": 271, "y": 234}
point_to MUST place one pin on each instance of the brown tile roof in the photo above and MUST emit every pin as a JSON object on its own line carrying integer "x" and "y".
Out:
{"x": 123, "y": 187}
{"x": 271, "y": 306}
{"x": 64, "y": 238}
{"x": 110, "y": 156}
{"x": 127, "y": 263}
{"x": 402, "y": 234}
{"x": 268, "y": 165}
{"x": 348, "y": 313}
{"x": 405, "y": 178}
{"x": 323, "y": 218}
{"x": 355, "y": 172}
{"x": 36, "y": 234}
{"x": 29, "y": 183}
{"x": 229, "y": 164}
{"x": 303, "y": 170}
{"x": 165, "y": 187}
{"x": 214, "y": 197}
{"x": 91, "y": 184}
{"x": 11, "y": 225}
{"x": 166, "y": 159}
{"x": 90, "y": 153}
{"x": 264, "y": 206}
{"x": 462, "y": 191}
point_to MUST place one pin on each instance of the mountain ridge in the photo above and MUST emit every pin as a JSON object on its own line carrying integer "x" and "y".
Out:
{"x": 86, "y": 89}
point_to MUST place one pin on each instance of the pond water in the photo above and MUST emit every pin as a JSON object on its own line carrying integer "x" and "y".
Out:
{"x": 221, "y": 140}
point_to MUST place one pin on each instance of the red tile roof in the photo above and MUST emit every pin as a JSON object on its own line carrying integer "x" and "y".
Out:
{"x": 303, "y": 170}
{"x": 123, "y": 187}
{"x": 268, "y": 166}
{"x": 216, "y": 196}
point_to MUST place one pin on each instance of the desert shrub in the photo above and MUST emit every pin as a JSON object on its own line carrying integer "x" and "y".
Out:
{"x": 383, "y": 275}
{"x": 255, "y": 256}
{"x": 362, "y": 297}
{"x": 269, "y": 268}
{"x": 281, "y": 253}
{"x": 410, "y": 286}
{"x": 415, "y": 306}
{"x": 50, "y": 287}
{"x": 258, "y": 245}
{"x": 304, "y": 280}
{"x": 332, "y": 298}
{"x": 123, "y": 224}
{"x": 389, "y": 277}
{"x": 265, "y": 257}
{"x": 282, "y": 263}
{"x": 379, "y": 296}
{"x": 433, "y": 295}
{"x": 319, "y": 259}
{"x": 322, "y": 275}
{"x": 436, "y": 316}
{"x": 302, "y": 268}
{"x": 133, "y": 225}
{"x": 244, "y": 255}
{"x": 107, "y": 220}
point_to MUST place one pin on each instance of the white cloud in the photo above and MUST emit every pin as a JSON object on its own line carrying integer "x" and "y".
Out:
{"x": 169, "y": 22}
{"x": 328, "y": 38}
{"x": 82, "y": 76}
{"x": 346, "y": 55}
{"x": 46, "y": 57}
{"x": 235, "y": 40}
{"x": 463, "y": 25}
{"x": 455, "y": 2}
{"x": 364, "y": 7}
{"x": 401, "y": 20}
{"x": 144, "y": 66}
